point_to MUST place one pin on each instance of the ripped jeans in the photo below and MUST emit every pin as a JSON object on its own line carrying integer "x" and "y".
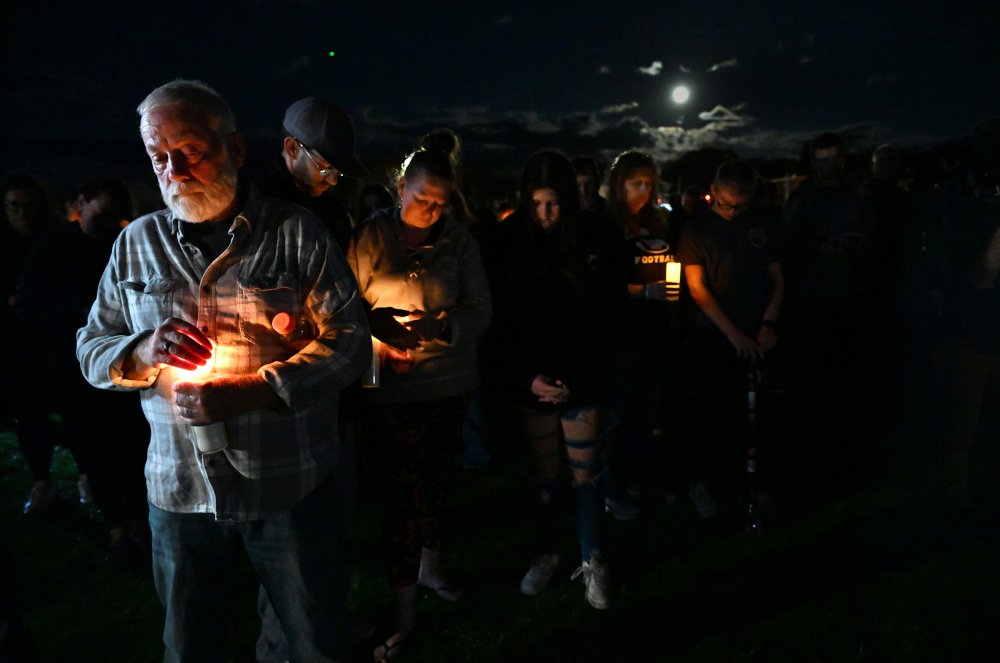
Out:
{"x": 560, "y": 442}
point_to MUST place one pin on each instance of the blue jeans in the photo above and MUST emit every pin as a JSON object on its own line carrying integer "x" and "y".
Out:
{"x": 297, "y": 557}
{"x": 549, "y": 448}
{"x": 474, "y": 450}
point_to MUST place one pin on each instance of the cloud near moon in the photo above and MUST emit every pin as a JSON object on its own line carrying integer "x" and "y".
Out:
{"x": 652, "y": 70}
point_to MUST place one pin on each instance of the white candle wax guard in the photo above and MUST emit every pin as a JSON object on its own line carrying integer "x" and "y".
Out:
{"x": 211, "y": 438}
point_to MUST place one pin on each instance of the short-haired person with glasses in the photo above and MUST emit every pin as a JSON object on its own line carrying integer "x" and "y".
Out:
{"x": 317, "y": 154}
{"x": 732, "y": 264}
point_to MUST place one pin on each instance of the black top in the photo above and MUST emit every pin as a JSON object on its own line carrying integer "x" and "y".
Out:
{"x": 553, "y": 309}
{"x": 734, "y": 256}
{"x": 57, "y": 288}
{"x": 642, "y": 259}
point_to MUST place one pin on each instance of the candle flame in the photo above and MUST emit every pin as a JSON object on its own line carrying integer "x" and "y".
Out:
{"x": 198, "y": 373}
{"x": 673, "y": 273}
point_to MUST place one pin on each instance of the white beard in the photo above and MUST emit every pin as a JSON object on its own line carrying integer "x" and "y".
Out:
{"x": 196, "y": 202}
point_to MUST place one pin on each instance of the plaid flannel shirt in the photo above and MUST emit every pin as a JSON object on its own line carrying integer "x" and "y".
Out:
{"x": 280, "y": 258}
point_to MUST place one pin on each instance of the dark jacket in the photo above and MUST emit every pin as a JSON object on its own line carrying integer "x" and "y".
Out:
{"x": 554, "y": 309}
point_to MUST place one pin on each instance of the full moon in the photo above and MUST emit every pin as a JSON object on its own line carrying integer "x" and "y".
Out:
{"x": 680, "y": 94}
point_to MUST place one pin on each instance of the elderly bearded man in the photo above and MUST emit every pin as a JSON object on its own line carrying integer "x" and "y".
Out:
{"x": 198, "y": 285}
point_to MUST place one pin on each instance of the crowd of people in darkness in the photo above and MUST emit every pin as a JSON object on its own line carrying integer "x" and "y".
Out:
{"x": 622, "y": 338}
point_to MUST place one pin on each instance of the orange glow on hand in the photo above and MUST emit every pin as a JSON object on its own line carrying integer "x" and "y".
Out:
{"x": 198, "y": 373}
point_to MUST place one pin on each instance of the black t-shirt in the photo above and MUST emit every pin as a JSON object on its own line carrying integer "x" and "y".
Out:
{"x": 552, "y": 311}
{"x": 212, "y": 237}
{"x": 734, "y": 256}
{"x": 649, "y": 256}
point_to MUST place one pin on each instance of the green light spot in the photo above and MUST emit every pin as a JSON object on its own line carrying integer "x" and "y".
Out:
{"x": 332, "y": 54}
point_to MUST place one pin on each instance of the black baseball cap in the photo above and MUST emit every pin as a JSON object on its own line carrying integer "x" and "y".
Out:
{"x": 325, "y": 128}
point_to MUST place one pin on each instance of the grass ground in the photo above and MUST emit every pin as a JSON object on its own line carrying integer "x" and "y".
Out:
{"x": 879, "y": 571}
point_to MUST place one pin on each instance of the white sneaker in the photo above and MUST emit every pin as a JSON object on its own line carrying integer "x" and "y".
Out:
{"x": 543, "y": 567}
{"x": 83, "y": 487}
{"x": 595, "y": 577}
{"x": 40, "y": 497}
{"x": 704, "y": 503}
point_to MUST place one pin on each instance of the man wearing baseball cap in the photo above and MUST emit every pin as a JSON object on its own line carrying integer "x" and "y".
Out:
{"x": 317, "y": 152}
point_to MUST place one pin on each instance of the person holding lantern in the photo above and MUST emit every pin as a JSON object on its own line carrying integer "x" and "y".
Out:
{"x": 638, "y": 230}
{"x": 196, "y": 286}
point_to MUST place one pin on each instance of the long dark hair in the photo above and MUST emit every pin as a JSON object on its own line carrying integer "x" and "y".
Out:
{"x": 549, "y": 169}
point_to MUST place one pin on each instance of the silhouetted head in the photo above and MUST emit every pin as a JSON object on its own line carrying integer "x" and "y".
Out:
{"x": 828, "y": 157}
{"x": 733, "y": 187}
{"x": 105, "y": 207}
{"x": 588, "y": 180}
{"x": 887, "y": 161}
{"x": 548, "y": 189}
{"x": 25, "y": 204}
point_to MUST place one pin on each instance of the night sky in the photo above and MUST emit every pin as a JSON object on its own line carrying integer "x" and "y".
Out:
{"x": 509, "y": 77}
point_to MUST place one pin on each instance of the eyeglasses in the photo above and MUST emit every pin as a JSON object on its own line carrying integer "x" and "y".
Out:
{"x": 330, "y": 174}
{"x": 727, "y": 207}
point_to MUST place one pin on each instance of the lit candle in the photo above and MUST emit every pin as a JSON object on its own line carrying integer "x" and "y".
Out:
{"x": 211, "y": 438}
{"x": 373, "y": 379}
{"x": 673, "y": 278}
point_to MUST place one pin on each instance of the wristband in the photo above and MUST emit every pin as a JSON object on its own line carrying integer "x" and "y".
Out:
{"x": 770, "y": 324}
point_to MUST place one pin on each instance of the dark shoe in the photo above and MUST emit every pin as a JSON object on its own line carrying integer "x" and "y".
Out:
{"x": 126, "y": 549}
{"x": 360, "y": 630}
{"x": 704, "y": 503}
{"x": 446, "y": 591}
{"x": 621, "y": 508}
{"x": 122, "y": 550}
